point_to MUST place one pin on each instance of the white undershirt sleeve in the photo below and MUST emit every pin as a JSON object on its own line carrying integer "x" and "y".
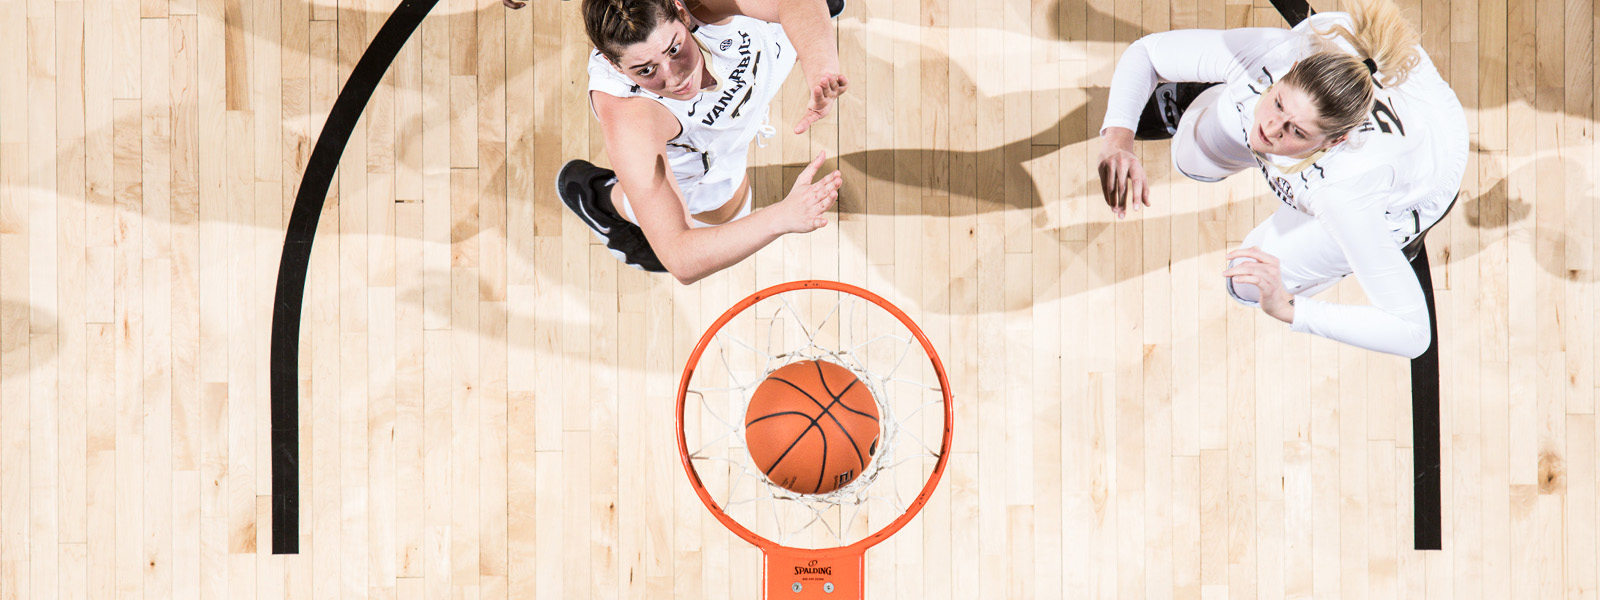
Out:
{"x": 1397, "y": 320}
{"x": 1205, "y": 55}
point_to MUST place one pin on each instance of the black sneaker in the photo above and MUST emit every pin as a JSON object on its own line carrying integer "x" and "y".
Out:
{"x": 1159, "y": 121}
{"x": 586, "y": 190}
{"x": 580, "y": 184}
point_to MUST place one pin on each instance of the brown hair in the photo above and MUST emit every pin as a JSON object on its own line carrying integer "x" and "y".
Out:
{"x": 616, "y": 24}
{"x": 1340, "y": 85}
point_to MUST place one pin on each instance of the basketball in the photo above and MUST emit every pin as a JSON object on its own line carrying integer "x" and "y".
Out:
{"x": 812, "y": 426}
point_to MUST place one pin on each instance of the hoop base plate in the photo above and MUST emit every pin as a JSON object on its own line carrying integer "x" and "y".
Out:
{"x": 801, "y": 575}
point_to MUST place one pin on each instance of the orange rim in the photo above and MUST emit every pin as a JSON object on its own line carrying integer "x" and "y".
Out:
{"x": 927, "y": 488}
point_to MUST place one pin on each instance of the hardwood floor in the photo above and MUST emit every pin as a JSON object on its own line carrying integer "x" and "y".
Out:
{"x": 486, "y": 394}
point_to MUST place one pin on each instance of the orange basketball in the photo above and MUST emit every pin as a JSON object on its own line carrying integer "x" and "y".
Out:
{"x": 812, "y": 426}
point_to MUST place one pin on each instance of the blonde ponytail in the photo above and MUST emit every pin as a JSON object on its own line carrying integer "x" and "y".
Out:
{"x": 1382, "y": 33}
{"x": 1340, "y": 85}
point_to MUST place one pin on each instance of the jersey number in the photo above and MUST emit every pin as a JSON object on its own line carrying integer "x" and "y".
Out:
{"x": 1386, "y": 119}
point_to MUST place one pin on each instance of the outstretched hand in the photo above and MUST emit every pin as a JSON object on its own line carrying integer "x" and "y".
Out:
{"x": 805, "y": 208}
{"x": 823, "y": 91}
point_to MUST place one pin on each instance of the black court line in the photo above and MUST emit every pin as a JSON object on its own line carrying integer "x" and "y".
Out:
{"x": 324, "y": 162}
{"x": 296, "y": 260}
{"x": 1426, "y": 495}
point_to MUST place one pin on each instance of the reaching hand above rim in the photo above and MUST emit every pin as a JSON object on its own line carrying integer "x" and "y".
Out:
{"x": 823, "y": 92}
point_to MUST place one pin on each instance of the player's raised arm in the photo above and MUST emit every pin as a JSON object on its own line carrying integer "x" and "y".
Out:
{"x": 810, "y": 30}
{"x": 637, "y": 132}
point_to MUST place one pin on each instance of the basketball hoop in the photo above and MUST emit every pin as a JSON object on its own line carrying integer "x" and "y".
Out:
{"x": 813, "y": 545}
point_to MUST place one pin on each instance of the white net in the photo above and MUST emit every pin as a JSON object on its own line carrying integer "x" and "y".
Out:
{"x": 815, "y": 324}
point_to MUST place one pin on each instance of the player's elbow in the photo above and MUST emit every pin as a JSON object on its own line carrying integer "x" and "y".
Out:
{"x": 1417, "y": 341}
{"x": 682, "y": 272}
{"x": 685, "y": 269}
{"x": 1141, "y": 46}
{"x": 686, "y": 278}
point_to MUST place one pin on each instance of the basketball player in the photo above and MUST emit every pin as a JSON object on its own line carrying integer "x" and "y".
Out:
{"x": 680, "y": 92}
{"x": 1356, "y": 133}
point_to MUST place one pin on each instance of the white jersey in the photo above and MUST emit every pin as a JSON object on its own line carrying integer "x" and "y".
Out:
{"x": 750, "y": 59}
{"x": 1395, "y": 175}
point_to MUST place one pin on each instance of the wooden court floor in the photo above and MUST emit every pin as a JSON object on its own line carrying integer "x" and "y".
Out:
{"x": 486, "y": 395}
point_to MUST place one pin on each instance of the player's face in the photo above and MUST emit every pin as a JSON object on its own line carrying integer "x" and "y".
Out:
{"x": 668, "y": 63}
{"x": 1286, "y": 123}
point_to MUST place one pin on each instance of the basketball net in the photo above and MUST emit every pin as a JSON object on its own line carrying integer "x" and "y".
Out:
{"x": 881, "y": 347}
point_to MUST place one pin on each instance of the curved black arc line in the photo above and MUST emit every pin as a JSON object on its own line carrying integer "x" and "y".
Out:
{"x": 302, "y": 229}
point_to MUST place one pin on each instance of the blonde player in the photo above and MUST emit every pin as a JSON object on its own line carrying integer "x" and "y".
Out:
{"x": 1353, "y": 128}
{"x": 680, "y": 93}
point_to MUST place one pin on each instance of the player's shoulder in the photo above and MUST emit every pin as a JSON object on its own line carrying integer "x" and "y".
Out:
{"x": 604, "y": 76}
{"x": 634, "y": 118}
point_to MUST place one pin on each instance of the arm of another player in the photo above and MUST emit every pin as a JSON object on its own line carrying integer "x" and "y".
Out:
{"x": 636, "y": 132}
{"x": 807, "y": 24}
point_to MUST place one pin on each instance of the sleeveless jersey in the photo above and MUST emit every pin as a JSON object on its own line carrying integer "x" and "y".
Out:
{"x": 750, "y": 58}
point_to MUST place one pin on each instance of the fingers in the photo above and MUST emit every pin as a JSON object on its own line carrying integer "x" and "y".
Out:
{"x": 823, "y": 194}
{"x": 833, "y": 181}
{"x": 830, "y": 86}
{"x": 810, "y": 171}
{"x": 806, "y": 120}
{"x": 1122, "y": 170}
{"x": 816, "y": 110}
{"x": 829, "y": 184}
{"x": 1106, "y": 186}
{"x": 1123, "y": 183}
{"x": 1245, "y": 269}
{"x": 1265, "y": 279}
{"x": 833, "y": 85}
{"x": 1253, "y": 253}
{"x": 1254, "y": 270}
{"x": 826, "y": 191}
{"x": 1140, "y": 186}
